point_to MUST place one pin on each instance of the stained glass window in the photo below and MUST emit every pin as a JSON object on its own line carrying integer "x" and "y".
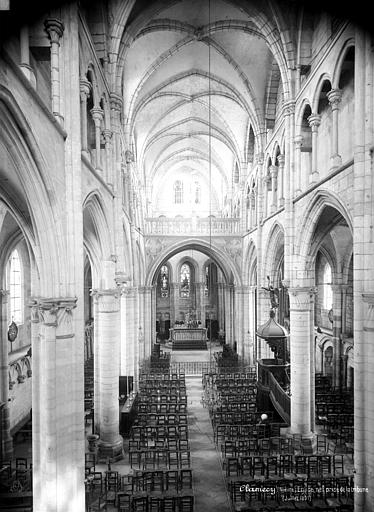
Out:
{"x": 178, "y": 192}
{"x": 206, "y": 287}
{"x": 197, "y": 193}
{"x": 164, "y": 281}
{"x": 15, "y": 287}
{"x": 327, "y": 289}
{"x": 185, "y": 280}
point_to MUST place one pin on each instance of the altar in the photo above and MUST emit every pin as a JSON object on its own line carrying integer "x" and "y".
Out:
{"x": 188, "y": 334}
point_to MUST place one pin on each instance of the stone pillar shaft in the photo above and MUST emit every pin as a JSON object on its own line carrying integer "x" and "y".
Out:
{"x": 107, "y": 326}
{"x": 281, "y": 161}
{"x": 7, "y": 445}
{"x": 273, "y": 174}
{"x": 299, "y": 183}
{"x": 55, "y": 29}
{"x": 58, "y": 444}
{"x": 334, "y": 96}
{"x": 302, "y": 360}
{"x": 314, "y": 122}
{"x": 97, "y": 116}
{"x": 85, "y": 88}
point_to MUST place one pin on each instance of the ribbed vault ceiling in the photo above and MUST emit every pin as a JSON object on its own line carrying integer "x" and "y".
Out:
{"x": 195, "y": 80}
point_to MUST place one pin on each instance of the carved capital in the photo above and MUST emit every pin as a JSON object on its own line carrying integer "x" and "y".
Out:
{"x": 301, "y": 297}
{"x": 273, "y": 171}
{"x": 97, "y": 115}
{"x": 84, "y": 88}
{"x": 107, "y": 135}
{"x": 54, "y": 312}
{"x": 314, "y": 121}
{"x": 281, "y": 159}
{"x": 54, "y": 29}
{"x": 298, "y": 141}
{"x": 129, "y": 291}
{"x": 334, "y": 96}
{"x": 107, "y": 300}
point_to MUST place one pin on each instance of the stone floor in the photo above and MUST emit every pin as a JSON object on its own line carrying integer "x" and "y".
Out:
{"x": 209, "y": 483}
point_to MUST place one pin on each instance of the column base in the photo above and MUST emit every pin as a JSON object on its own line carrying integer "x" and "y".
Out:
{"x": 113, "y": 451}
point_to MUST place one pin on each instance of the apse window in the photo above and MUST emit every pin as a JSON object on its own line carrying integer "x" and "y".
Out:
{"x": 15, "y": 288}
{"x": 327, "y": 289}
{"x": 164, "y": 281}
{"x": 185, "y": 278}
{"x": 178, "y": 192}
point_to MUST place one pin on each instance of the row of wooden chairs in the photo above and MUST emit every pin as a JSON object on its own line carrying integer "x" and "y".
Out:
{"x": 158, "y": 432}
{"x": 300, "y": 465}
{"x": 152, "y": 459}
{"x": 132, "y": 503}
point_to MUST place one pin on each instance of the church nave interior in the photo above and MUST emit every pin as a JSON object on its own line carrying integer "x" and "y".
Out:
{"x": 186, "y": 256}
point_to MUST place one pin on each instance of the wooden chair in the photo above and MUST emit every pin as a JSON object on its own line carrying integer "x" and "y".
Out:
{"x": 185, "y": 503}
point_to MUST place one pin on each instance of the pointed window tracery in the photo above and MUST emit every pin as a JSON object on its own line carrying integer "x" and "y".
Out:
{"x": 15, "y": 287}
{"x": 178, "y": 192}
{"x": 164, "y": 281}
{"x": 185, "y": 280}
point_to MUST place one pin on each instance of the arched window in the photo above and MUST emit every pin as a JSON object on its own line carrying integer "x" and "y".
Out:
{"x": 327, "y": 289}
{"x": 15, "y": 288}
{"x": 207, "y": 281}
{"x": 178, "y": 192}
{"x": 164, "y": 281}
{"x": 185, "y": 280}
{"x": 197, "y": 193}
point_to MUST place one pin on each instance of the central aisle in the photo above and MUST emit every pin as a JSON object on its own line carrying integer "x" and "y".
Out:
{"x": 209, "y": 483}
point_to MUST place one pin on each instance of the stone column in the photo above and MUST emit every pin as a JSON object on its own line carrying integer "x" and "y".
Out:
{"x": 274, "y": 175}
{"x": 141, "y": 320}
{"x": 174, "y": 301}
{"x": 36, "y": 387}
{"x": 335, "y": 96}
{"x": 281, "y": 161}
{"x": 85, "y": 89}
{"x": 107, "y": 316}
{"x": 302, "y": 360}
{"x": 55, "y": 29}
{"x": 25, "y": 56}
{"x": 337, "y": 331}
{"x": 58, "y": 425}
{"x": 363, "y": 417}
{"x": 250, "y": 211}
{"x": 344, "y": 359}
{"x": 200, "y": 288}
{"x": 314, "y": 121}
{"x": 245, "y": 322}
{"x": 149, "y": 327}
{"x": 7, "y": 446}
{"x": 300, "y": 178}
{"x": 265, "y": 182}
{"x": 128, "y": 325}
{"x": 229, "y": 318}
{"x": 263, "y": 308}
{"x": 107, "y": 135}
{"x": 221, "y": 306}
{"x": 97, "y": 116}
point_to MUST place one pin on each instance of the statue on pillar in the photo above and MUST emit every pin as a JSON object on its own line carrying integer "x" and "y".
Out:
{"x": 274, "y": 294}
